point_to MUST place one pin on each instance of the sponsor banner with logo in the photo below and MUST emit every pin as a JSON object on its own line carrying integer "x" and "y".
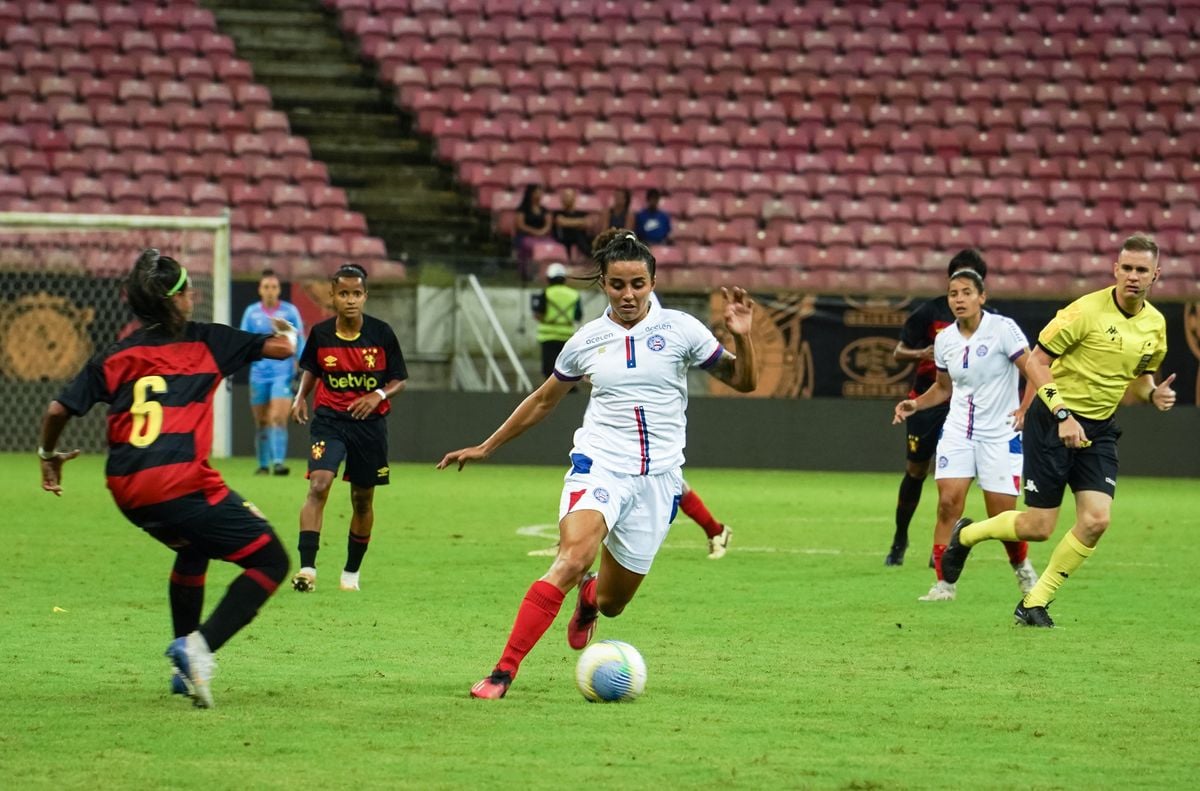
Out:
{"x": 812, "y": 346}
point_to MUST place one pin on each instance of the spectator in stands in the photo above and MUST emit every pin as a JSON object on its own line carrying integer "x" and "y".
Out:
{"x": 571, "y": 227}
{"x": 533, "y": 222}
{"x": 653, "y": 225}
{"x": 979, "y": 359}
{"x": 924, "y": 428}
{"x": 557, "y": 309}
{"x": 271, "y": 380}
{"x": 618, "y": 213}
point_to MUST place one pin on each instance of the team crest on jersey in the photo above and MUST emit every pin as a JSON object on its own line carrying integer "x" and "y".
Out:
{"x": 656, "y": 343}
{"x": 318, "y": 450}
{"x": 369, "y": 357}
{"x": 601, "y": 495}
{"x": 330, "y": 361}
{"x": 982, "y": 350}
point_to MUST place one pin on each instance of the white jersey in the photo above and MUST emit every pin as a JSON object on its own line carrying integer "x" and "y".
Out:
{"x": 985, "y": 380}
{"x": 636, "y": 419}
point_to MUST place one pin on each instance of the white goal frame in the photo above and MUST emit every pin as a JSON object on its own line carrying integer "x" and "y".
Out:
{"x": 33, "y": 222}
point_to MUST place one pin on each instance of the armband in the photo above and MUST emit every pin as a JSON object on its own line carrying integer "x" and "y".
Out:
{"x": 1050, "y": 397}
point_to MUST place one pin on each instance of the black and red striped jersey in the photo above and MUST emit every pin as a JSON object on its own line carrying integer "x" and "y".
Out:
{"x": 919, "y": 331}
{"x": 348, "y": 368}
{"x": 160, "y": 420}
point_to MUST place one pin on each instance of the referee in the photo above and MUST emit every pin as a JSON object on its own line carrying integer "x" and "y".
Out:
{"x": 1095, "y": 349}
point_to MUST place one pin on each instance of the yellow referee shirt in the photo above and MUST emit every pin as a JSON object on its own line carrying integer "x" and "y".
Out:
{"x": 1099, "y": 349}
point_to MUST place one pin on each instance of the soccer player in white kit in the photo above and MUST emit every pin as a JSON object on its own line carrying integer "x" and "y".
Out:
{"x": 623, "y": 489}
{"x": 979, "y": 359}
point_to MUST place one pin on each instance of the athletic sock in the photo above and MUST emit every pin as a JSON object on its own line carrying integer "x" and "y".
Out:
{"x": 1067, "y": 556}
{"x": 906, "y": 505}
{"x": 356, "y": 547}
{"x": 538, "y": 609}
{"x": 1002, "y": 526}
{"x": 186, "y": 593}
{"x": 265, "y": 568}
{"x": 278, "y": 444}
{"x": 694, "y": 507}
{"x": 1017, "y": 551}
{"x": 938, "y": 551}
{"x": 262, "y": 447}
{"x": 310, "y": 542}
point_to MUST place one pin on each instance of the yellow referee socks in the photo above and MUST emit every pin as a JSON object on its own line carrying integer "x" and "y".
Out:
{"x": 1068, "y": 556}
{"x": 1001, "y": 526}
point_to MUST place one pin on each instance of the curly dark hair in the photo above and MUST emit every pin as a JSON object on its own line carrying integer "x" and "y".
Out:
{"x": 154, "y": 279}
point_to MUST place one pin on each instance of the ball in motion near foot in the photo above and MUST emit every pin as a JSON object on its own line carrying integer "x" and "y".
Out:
{"x": 610, "y": 670}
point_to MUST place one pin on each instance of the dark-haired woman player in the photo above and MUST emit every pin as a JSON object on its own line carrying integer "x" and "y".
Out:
{"x": 625, "y": 481}
{"x": 159, "y": 384}
{"x": 355, "y": 363}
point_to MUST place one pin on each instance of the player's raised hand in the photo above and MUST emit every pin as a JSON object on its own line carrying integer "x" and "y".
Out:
{"x": 1163, "y": 396}
{"x": 462, "y": 456}
{"x": 904, "y": 410}
{"x": 739, "y": 310}
{"x": 52, "y": 470}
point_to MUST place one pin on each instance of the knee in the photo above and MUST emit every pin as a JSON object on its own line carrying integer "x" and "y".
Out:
{"x": 362, "y": 504}
{"x": 949, "y": 508}
{"x": 1092, "y": 524}
{"x": 318, "y": 489}
{"x": 1036, "y": 527}
{"x": 609, "y": 606}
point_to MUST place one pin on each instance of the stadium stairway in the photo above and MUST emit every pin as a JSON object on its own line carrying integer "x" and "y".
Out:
{"x": 333, "y": 99}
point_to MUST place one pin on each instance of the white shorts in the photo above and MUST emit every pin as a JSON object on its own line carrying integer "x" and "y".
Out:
{"x": 637, "y": 509}
{"x": 995, "y": 464}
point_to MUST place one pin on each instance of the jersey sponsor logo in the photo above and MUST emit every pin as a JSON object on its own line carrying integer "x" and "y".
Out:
{"x": 665, "y": 325}
{"x": 600, "y": 494}
{"x": 656, "y": 343}
{"x": 1030, "y": 486}
{"x": 352, "y": 382}
{"x": 330, "y": 361}
{"x": 982, "y": 350}
{"x": 318, "y": 450}
{"x": 599, "y": 338}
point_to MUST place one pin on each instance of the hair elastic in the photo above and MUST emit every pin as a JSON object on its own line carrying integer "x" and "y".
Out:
{"x": 180, "y": 283}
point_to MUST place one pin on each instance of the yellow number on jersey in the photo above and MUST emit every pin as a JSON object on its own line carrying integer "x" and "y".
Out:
{"x": 147, "y": 415}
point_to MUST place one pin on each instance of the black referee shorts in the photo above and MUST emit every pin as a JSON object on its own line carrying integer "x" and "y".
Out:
{"x": 363, "y": 444}
{"x": 1050, "y": 466}
{"x": 924, "y": 430}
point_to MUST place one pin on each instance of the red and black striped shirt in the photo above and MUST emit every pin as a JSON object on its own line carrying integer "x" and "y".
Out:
{"x": 160, "y": 421}
{"x": 348, "y": 368}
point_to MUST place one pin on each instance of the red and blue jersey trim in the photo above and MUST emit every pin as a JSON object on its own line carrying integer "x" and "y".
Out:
{"x": 970, "y": 416}
{"x": 639, "y": 416}
{"x": 630, "y": 352}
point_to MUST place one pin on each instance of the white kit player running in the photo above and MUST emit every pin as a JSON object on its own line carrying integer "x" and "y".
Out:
{"x": 979, "y": 359}
{"x": 623, "y": 488}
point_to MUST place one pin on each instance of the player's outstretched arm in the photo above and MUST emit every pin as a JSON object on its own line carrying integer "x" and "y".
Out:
{"x": 529, "y": 413}
{"x": 50, "y": 460}
{"x": 739, "y": 369}
{"x": 300, "y": 402}
{"x": 282, "y": 344}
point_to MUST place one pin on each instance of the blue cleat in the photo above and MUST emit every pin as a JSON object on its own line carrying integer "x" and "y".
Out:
{"x": 195, "y": 667}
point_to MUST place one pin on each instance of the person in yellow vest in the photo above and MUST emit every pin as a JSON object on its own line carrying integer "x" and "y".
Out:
{"x": 557, "y": 310}
{"x": 1101, "y": 348}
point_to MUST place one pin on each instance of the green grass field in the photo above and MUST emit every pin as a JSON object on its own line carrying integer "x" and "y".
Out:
{"x": 798, "y": 661}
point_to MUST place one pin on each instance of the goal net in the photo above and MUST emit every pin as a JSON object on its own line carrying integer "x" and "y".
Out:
{"x": 61, "y": 301}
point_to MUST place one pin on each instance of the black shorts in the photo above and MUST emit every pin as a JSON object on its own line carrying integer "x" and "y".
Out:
{"x": 229, "y": 530}
{"x": 363, "y": 444}
{"x": 1051, "y": 466}
{"x": 924, "y": 429}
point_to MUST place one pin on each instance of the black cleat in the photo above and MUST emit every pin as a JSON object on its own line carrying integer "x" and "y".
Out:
{"x": 280, "y": 469}
{"x": 262, "y": 471}
{"x": 955, "y": 556}
{"x": 895, "y": 555}
{"x": 1032, "y": 616}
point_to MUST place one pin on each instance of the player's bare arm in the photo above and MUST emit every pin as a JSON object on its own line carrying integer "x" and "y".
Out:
{"x": 738, "y": 369}
{"x": 1161, "y": 396}
{"x": 300, "y": 402}
{"x": 906, "y": 354}
{"x": 938, "y": 393}
{"x": 50, "y": 460}
{"x": 529, "y": 413}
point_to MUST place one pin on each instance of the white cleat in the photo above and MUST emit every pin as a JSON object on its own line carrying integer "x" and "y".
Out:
{"x": 305, "y": 580}
{"x": 941, "y": 591}
{"x": 195, "y": 666}
{"x": 1027, "y": 575}
{"x": 349, "y": 581}
{"x": 718, "y": 544}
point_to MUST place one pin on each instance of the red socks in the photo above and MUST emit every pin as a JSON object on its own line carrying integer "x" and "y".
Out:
{"x": 1017, "y": 551}
{"x": 694, "y": 507}
{"x": 938, "y": 549}
{"x": 538, "y": 609}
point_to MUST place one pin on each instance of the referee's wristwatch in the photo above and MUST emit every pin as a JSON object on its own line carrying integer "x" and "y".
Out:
{"x": 1061, "y": 414}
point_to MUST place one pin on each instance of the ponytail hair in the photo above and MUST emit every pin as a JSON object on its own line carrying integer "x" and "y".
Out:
{"x": 619, "y": 244}
{"x": 153, "y": 281}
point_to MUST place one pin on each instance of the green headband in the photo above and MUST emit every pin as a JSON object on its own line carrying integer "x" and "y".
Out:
{"x": 179, "y": 284}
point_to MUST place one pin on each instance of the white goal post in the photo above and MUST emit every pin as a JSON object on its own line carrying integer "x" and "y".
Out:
{"x": 60, "y": 302}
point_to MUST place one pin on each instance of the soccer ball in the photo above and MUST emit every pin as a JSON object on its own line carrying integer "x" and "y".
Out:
{"x": 610, "y": 670}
